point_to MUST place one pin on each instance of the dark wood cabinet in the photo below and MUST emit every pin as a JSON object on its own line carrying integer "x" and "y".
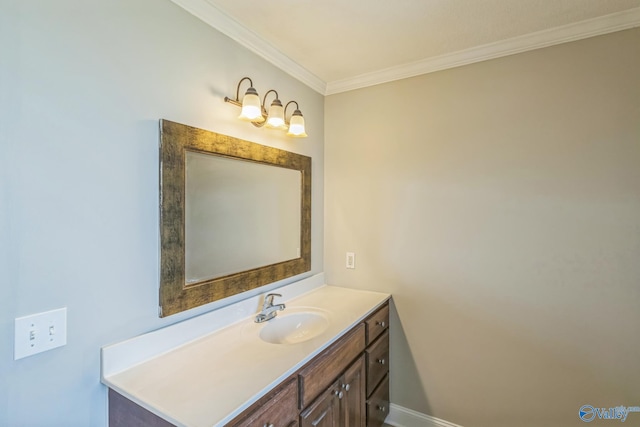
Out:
{"x": 377, "y": 358}
{"x": 325, "y": 410}
{"x": 377, "y": 323}
{"x": 378, "y": 404}
{"x": 361, "y": 358}
{"x": 343, "y": 403}
{"x": 125, "y": 413}
{"x": 354, "y": 401}
{"x": 329, "y": 365}
{"x": 377, "y": 362}
{"x": 278, "y": 408}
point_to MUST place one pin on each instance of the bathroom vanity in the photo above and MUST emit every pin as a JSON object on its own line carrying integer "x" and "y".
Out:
{"x": 345, "y": 385}
{"x": 241, "y": 373}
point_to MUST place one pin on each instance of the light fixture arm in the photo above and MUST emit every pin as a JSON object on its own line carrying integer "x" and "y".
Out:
{"x": 264, "y": 100}
{"x": 237, "y": 101}
{"x": 285, "y": 109}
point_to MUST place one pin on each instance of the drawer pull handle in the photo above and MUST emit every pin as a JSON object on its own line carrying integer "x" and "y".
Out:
{"x": 382, "y": 324}
{"x": 339, "y": 394}
{"x": 268, "y": 425}
{"x": 346, "y": 387}
{"x": 381, "y": 361}
{"x": 317, "y": 421}
{"x": 382, "y": 408}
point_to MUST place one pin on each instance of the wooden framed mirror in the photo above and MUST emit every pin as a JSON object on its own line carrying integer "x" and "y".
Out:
{"x": 234, "y": 216}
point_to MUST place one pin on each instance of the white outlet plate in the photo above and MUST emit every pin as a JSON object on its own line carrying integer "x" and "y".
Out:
{"x": 40, "y": 332}
{"x": 351, "y": 260}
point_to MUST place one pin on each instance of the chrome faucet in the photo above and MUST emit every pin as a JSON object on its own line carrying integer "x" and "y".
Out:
{"x": 269, "y": 311}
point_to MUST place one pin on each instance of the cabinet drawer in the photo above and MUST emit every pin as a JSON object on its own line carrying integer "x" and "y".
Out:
{"x": 277, "y": 409}
{"x": 377, "y": 362}
{"x": 377, "y": 323}
{"x": 378, "y": 404}
{"x": 320, "y": 373}
{"x": 325, "y": 411}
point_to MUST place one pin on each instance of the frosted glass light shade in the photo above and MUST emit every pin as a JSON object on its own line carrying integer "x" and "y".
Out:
{"x": 296, "y": 125}
{"x": 251, "y": 107}
{"x": 276, "y": 116}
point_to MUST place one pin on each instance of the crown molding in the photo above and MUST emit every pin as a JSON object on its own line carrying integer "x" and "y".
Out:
{"x": 222, "y": 22}
{"x": 219, "y": 20}
{"x": 563, "y": 34}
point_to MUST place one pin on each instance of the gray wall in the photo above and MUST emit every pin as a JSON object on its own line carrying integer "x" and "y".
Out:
{"x": 500, "y": 204}
{"x": 82, "y": 87}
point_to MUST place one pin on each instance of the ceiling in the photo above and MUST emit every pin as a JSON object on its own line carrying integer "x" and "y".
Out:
{"x": 339, "y": 45}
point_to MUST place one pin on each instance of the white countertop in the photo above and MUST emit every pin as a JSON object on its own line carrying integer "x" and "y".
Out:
{"x": 213, "y": 378}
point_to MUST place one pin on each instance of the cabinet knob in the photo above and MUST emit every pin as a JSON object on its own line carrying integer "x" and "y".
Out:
{"x": 381, "y": 361}
{"x": 339, "y": 393}
{"x": 382, "y": 324}
{"x": 346, "y": 387}
{"x": 382, "y": 408}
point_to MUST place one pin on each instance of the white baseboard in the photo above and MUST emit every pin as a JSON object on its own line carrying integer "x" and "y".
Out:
{"x": 403, "y": 417}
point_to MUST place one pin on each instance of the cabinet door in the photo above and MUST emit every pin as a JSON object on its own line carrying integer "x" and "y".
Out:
{"x": 326, "y": 368}
{"x": 353, "y": 400}
{"x": 324, "y": 411}
{"x": 280, "y": 410}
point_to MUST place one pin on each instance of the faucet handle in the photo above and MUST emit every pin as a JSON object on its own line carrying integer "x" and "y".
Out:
{"x": 269, "y": 298}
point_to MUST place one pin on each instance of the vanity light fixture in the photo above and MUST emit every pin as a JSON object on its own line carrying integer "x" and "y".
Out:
{"x": 255, "y": 112}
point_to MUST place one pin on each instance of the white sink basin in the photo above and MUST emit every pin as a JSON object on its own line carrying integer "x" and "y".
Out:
{"x": 294, "y": 327}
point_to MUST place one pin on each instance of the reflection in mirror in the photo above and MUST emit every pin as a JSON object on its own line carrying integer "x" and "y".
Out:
{"x": 239, "y": 215}
{"x": 234, "y": 216}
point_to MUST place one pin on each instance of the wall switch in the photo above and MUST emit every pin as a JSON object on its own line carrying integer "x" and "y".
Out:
{"x": 351, "y": 260}
{"x": 40, "y": 332}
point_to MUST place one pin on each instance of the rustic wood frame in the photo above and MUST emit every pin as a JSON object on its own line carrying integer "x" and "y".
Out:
{"x": 175, "y": 295}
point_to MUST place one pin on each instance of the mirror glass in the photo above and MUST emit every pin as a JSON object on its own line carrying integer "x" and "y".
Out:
{"x": 239, "y": 215}
{"x": 234, "y": 216}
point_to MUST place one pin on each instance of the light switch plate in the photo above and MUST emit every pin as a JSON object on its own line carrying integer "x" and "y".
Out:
{"x": 40, "y": 332}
